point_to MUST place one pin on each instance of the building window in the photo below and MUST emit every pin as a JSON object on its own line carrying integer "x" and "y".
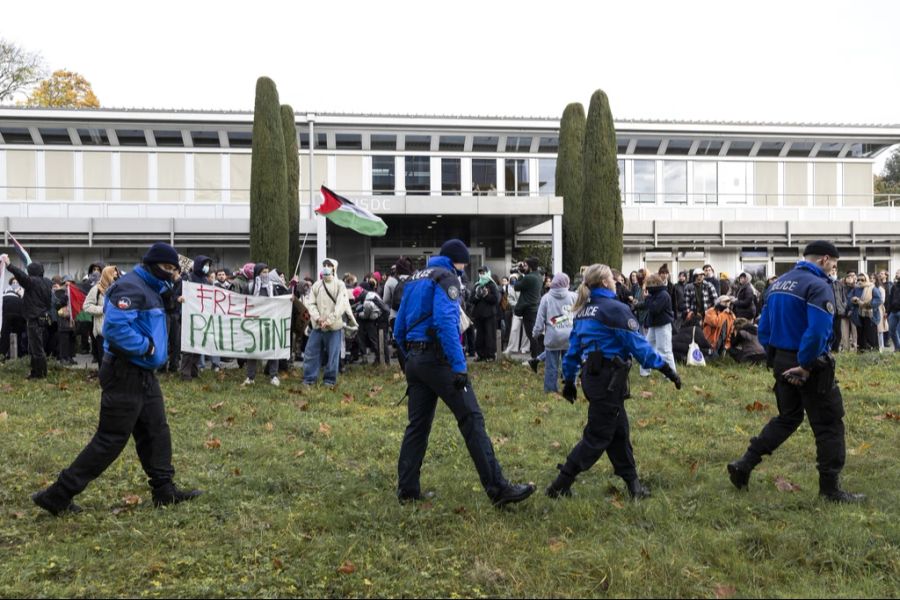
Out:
{"x": 645, "y": 181}
{"x": 203, "y": 139}
{"x": 800, "y": 149}
{"x": 89, "y": 137}
{"x": 679, "y": 146}
{"x": 549, "y": 144}
{"x": 770, "y": 149}
{"x": 709, "y": 147}
{"x": 485, "y": 143}
{"x": 516, "y": 177}
{"x": 622, "y": 145}
{"x": 675, "y": 181}
{"x": 240, "y": 139}
{"x": 740, "y": 148}
{"x": 705, "y": 183}
{"x": 418, "y": 142}
{"x": 518, "y": 144}
{"x": 321, "y": 140}
{"x": 131, "y": 137}
{"x": 547, "y": 176}
{"x": 169, "y": 138}
{"x": 347, "y": 141}
{"x": 484, "y": 176}
{"x": 383, "y": 141}
{"x": 620, "y": 166}
{"x": 647, "y": 146}
{"x": 451, "y": 176}
{"x": 383, "y": 175}
{"x": 21, "y": 135}
{"x": 452, "y": 143}
{"x": 55, "y": 136}
{"x": 418, "y": 175}
{"x": 733, "y": 179}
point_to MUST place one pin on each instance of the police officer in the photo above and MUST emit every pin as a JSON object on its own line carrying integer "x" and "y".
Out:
{"x": 796, "y": 330}
{"x": 607, "y": 332}
{"x": 36, "y": 304}
{"x": 427, "y": 332}
{"x": 131, "y": 402}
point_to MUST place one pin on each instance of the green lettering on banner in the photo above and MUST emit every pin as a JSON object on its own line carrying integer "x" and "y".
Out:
{"x": 231, "y": 324}
{"x": 221, "y": 343}
{"x": 266, "y": 326}
{"x": 286, "y": 332}
{"x": 244, "y": 327}
{"x": 209, "y": 330}
{"x": 194, "y": 318}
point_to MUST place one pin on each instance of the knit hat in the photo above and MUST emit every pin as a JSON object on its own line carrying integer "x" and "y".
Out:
{"x": 161, "y": 252}
{"x": 456, "y": 251}
{"x": 247, "y": 270}
{"x": 532, "y": 263}
{"x": 404, "y": 266}
{"x": 377, "y": 276}
{"x": 560, "y": 282}
{"x": 723, "y": 275}
{"x": 356, "y": 292}
{"x": 821, "y": 248}
{"x": 259, "y": 268}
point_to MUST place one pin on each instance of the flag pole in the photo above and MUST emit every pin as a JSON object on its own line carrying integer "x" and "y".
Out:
{"x": 302, "y": 247}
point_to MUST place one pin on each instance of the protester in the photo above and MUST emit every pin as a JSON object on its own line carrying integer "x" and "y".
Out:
{"x": 65, "y": 332}
{"x": 881, "y": 287}
{"x": 554, "y": 322}
{"x": 529, "y": 288}
{"x": 222, "y": 280}
{"x": 848, "y": 327}
{"x": 485, "y": 302}
{"x": 14, "y": 324}
{"x": 866, "y": 301}
{"x": 840, "y": 309}
{"x": 745, "y": 346}
{"x": 699, "y": 296}
{"x": 94, "y": 306}
{"x": 243, "y": 278}
{"x": 370, "y": 311}
{"x": 745, "y": 303}
{"x": 892, "y": 306}
{"x": 519, "y": 341}
{"x": 659, "y": 317}
{"x": 623, "y": 290}
{"x": 268, "y": 284}
{"x": 691, "y": 333}
{"x": 36, "y": 306}
{"x": 718, "y": 325}
{"x": 190, "y": 362}
{"x": 328, "y": 304}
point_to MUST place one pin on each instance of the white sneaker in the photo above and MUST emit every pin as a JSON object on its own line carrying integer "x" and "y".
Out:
{"x": 274, "y": 381}
{"x": 247, "y": 381}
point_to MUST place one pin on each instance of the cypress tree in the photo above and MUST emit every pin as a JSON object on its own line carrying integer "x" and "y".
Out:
{"x": 569, "y": 185}
{"x": 268, "y": 181}
{"x": 602, "y": 205}
{"x": 292, "y": 163}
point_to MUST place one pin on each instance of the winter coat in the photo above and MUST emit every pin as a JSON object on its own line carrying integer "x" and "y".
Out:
{"x": 718, "y": 327}
{"x": 555, "y": 319}
{"x": 681, "y": 341}
{"x": 658, "y": 307}
{"x": 36, "y": 301}
{"x": 892, "y": 305}
{"x": 332, "y": 311}
{"x": 745, "y": 305}
{"x": 60, "y": 306}
{"x": 840, "y": 298}
{"x": 485, "y": 299}
{"x": 529, "y": 288}
{"x": 697, "y": 302}
{"x": 745, "y": 346}
{"x": 871, "y": 309}
{"x": 93, "y": 305}
{"x": 197, "y": 275}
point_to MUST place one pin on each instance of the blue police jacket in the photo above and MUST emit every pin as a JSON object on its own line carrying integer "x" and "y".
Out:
{"x": 799, "y": 313}
{"x": 431, "y": 301}
{"x": 133, "y": 315}
{"x": 608, "y": 326}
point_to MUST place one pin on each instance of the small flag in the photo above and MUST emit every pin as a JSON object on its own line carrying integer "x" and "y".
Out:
{"x": 343, "y": 212}
{"x": 76, "y": 300}
{"x": 20, "y": 250}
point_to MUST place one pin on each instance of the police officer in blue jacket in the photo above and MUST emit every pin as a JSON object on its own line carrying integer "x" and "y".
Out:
{"x": 131, "y": 402}
{"x": 604, "y": 338}
{"x": 427, "y": 331}
{"x": 796, "y": 328}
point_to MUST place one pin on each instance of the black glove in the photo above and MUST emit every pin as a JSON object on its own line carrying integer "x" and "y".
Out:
{"x": 151, "y": 349}
{"x": 570, "y": 392}
{"x": 460, "y": 380}
{"x": 671, "y": 375}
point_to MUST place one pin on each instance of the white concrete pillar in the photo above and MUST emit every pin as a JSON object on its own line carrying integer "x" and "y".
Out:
{"x": 556, "y": 244}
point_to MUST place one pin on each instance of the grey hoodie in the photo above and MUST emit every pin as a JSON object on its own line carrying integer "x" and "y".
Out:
{"x": 555, "y": 319}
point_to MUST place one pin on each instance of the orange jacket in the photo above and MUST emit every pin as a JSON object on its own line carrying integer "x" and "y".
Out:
{"x": 714, "y": 322}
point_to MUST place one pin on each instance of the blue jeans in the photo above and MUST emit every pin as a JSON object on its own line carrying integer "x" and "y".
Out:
{"x": 329, "y": 343}
{"x": 894, "y": 329}
{"x": 552, "y": 360}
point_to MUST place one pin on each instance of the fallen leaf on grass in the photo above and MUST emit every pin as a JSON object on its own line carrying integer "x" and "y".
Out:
{"x": 645, "y": 553}
{"x": 757, "y": 406}
{"x": 53, "y": 431}
{"x": 131, "y": 500}
{"x": 347, "y": 399}
{"x": 426, "y": 505}
{"x": 888, "y": 416}
{"x": 701, "y": 392}
{"x": 299, "y": 453}
{"x": 269, "y": 426}
{"x": 347, "y": 568}
{"x": 694, "y": 467}
{"x": 500, "y": 441}
{"x": 213, "y": 443}
{"x": 211, "y": 424}
{"x": 643, "y": 423}
{"x": 556, "y": 545}
{"x": 724, "y": 591}
{"x": 298, "y": 391}
{"x": 252, "y": 412}
{"x": 615, "y": 502}
{"x": 229, "y": 421}
{"x": 206, "y": 387}
{"x": 4, "y": 416}
{"x": 236, "y": 472}
{"x": 646, "y": 394}
{"x": 861, "y": 449}
{"x": 325, "y": 428}
{"x": 6, "y": 388}
{"x": 374, "y": 391}
{"x": 555, "y": 445}
{"x": 63, "y": 386}
{"x": 784, "y": 485}
{"x": 277, "y": 564}
{"x": 172, "y": 411}
{"x": 18, "y": 515}
{"x": 396, "y": 375}
{"x": 217, "y": 405}
{"x": 537, "y": 421}
{"x": 302, "y": 404}
{"x": 459, "y": 510}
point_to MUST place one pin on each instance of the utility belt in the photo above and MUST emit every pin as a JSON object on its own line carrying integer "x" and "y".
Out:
{"x": 121, "y": 365}
{"x": 421, "y": 346}
{"x": 596, "y": 364}
{"x": 42, "y": 320}
{"x": 822, "y": 373}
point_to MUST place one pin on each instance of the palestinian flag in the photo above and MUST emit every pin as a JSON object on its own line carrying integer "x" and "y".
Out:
{"x": 20, "y": 250}
{"x": 76, "y": 300}
{"x": 343, "y": 212}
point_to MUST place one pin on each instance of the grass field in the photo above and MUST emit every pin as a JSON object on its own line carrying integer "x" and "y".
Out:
{"x": 300, "y": 497}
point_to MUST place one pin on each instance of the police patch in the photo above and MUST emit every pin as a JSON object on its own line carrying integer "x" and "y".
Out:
{"x": 632, "y": 324}
{"x": 453, "y": 292}
{"x": 124, "y": 303}
{"x": 829, "y": 307}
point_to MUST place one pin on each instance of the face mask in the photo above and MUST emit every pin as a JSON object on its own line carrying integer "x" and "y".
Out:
{"x": 206, "y": 269}
{"x": 160, "y": 273}
{"x": 327, "y": 272}
{"x": 95, "y": 277}
{"x": 264, "y": 279}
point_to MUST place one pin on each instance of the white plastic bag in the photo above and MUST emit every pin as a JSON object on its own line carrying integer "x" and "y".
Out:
{"x": 695, "y": 357}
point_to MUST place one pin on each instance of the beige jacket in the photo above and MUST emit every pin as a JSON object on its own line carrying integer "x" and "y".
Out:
{"x": 322, "y": 307}
{"x": 93, "y": 305}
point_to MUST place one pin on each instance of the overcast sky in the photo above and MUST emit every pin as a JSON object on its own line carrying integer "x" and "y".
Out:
{"x": 823, "y": 61}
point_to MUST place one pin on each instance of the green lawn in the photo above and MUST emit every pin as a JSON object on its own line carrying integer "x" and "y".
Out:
{"x": 300, "y": 494}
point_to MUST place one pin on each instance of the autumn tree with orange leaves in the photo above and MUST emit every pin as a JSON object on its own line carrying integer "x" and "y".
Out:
{"x": 64, "y": 89}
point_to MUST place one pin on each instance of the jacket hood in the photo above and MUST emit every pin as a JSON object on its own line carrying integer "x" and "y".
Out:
{"x": 199, "y": 261}
{"x": 35, "y": 269}
{"x": 258, "y": 268}
{"x": 441, "y": 261}
{"x": 656, "y": 289}
{"x": 334, "y": 262}
{"x": 560, "y": 293}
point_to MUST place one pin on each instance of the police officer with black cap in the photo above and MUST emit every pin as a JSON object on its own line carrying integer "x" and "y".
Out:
{"x": 607, "y": 333}
{"x": 427, "y": 331}
{"x": 796, "y": 329}
{"x": 131, "y": 402}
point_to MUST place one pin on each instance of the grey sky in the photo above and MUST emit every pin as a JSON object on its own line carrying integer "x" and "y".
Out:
{"x": 746, "y": 61}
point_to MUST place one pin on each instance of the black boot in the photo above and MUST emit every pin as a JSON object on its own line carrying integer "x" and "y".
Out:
{"x": 512, "y": 493}
{"x": 562, "y": 485}
{"x": 55, "y": 501}
{"x": 169, "y": 494}
{"x": 636, "y": 489}
{"x": 409, "y": 498}
{"x": 739, "y": 470}
{"x": 830, "y": 489}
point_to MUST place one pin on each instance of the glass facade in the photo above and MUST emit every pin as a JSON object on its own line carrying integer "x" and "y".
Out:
{"x": 675, "y": 181}
{"x": 705, "y": 183}
{"x": 451, "y": 176}
{"x": 733, "y": 182}
{"x": 484, "y": 176}
{"x": 516, "y": 177}
{"x": 644, "y": 185}
{"x": 383, "y": 175}
{"x": 418, "y": 175}
{"x": 547, "y": 176}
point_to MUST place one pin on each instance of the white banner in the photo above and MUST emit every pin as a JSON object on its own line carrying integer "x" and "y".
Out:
{"x": 216, "y": 322}
{"x": 2, "y": 292}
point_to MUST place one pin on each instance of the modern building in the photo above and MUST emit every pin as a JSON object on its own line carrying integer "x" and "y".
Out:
{"x": 82, "y": 185}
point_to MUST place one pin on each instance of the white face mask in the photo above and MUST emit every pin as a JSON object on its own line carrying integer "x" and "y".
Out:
{"x": 327, "y": 272}
{"x": 206, "y": 269}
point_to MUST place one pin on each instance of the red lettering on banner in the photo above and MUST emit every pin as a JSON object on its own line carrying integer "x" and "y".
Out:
{"x": 247, "y": 307}
{"x": 233, "y": 307}
{"x": 204, "y": 294}
{"x": 219, "y": 299}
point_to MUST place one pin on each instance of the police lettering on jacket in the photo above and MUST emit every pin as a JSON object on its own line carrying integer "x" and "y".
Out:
{"x": 607, "y": 326}
{"x": 133, "y": 315}
{"x": 431, "y": 302}
{"x": 799, "y": 313}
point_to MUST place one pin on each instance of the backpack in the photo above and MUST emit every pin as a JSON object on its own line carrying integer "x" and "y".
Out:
{"x": 398, "y": 294}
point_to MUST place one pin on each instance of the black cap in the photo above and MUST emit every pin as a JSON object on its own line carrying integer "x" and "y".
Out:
{"x": 821, "y": 248}
{"x": 161, "y": 252}
{"x": 532, "y": 263}
{"x": 456, "y": 251}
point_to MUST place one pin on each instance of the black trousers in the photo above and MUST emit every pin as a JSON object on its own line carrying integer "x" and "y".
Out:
{"x": 428, "y": 377}
{"x": 537, "y": 345}
{"x": 131, "y": 404}
{"x": 190, "y": 365}
{"x": 607, "y": 428}
{"x": 836, "y": 335}
{"x": 38, "y": 333}
{"x": 825, "y": 412}
{"x": 12, "y": 328}
{"x": 66, "y": 344}
{"x": 867, "y": 335}
{"x": 486, "y": 338}
{"x": 173, "y": 323}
